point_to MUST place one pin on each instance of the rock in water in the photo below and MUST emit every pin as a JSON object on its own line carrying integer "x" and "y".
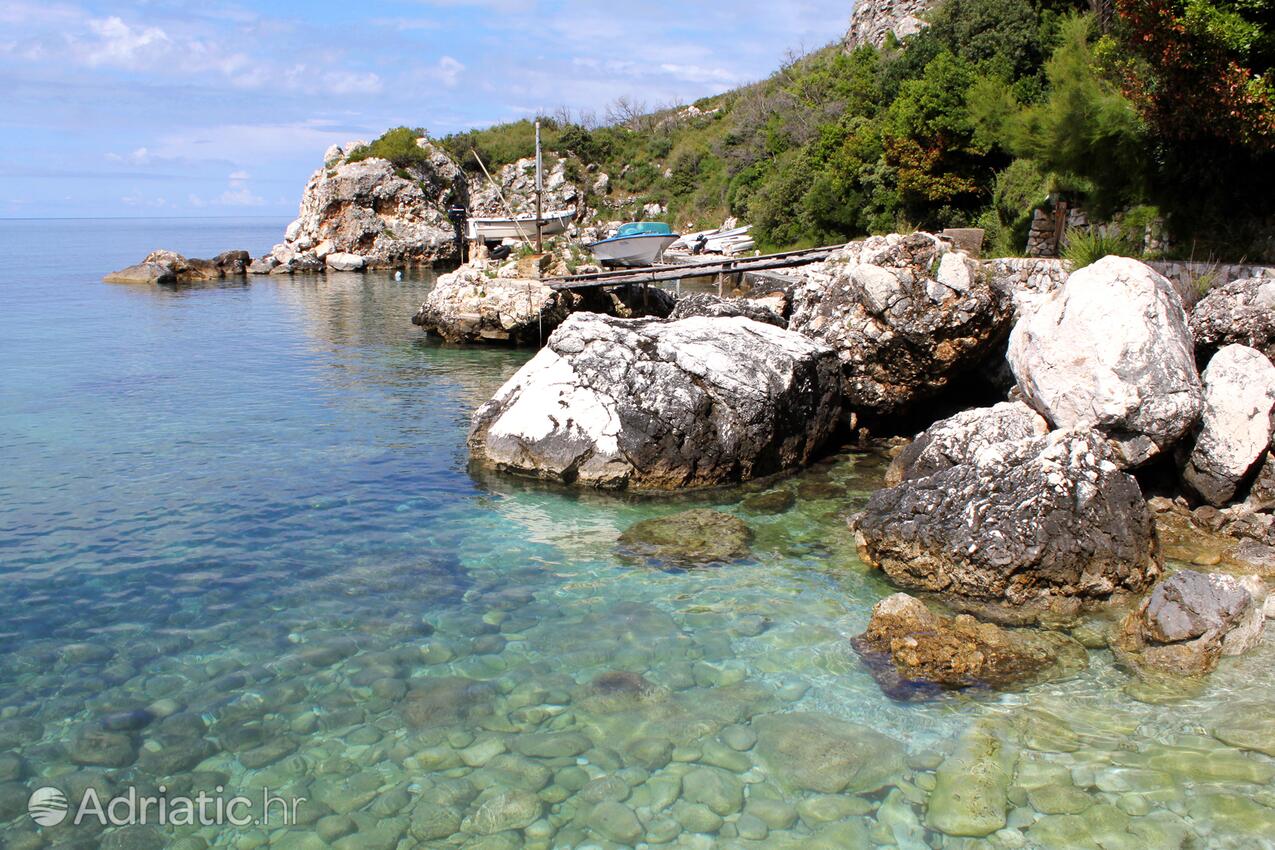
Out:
{"x": 688, "y": 539}
{"x": 1189, "y": 622}
{"x": 170, "y": 267}
{"x": 971, "y": 791}
{"x": 385, "y": 215}
{"x": 469, "y": 306}
{"x": 960, "y": 652}
{"x": 1111, "y": 350}
{"x": 1239, "y": 391}
{"x": 906, "y": 316}
{"x": 1242, "y": 311}
{"x": 958, "y": 438}
{"x": 143, "y": 273}
{"x": 1026, "y": 522}
{"x": 703, "y": 304}
{"x": 650, "y": 405}
{"x": 816, "y": 752}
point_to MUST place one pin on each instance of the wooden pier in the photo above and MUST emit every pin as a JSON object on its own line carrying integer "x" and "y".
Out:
{"x": 721, "y": 268}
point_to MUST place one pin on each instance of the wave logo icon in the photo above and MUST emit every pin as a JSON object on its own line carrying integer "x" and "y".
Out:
{"x": 47, "y": 806}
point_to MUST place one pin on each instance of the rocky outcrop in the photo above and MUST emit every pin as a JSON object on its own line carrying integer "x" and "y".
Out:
{"x": 958, "y": 652}
{"x": 1030, "y": 522}
{"x": 517, "y": 182}
{"x": 874, "y": 21}
{"x": 958, "y": 438}
{"x": 1111, "y": 350}
{"x": 374, "y": 211}
{"x": 704, "y": 304}
{"x": 1242, "y": 311}
{"x": 1190, "y": 621}
{"x": 476, "y": 303}
{"x": 906, "y": 315}
{"x": 650, "y": 405}
{"x": 1239, "y": 392}
{"x": 170, "y": 267}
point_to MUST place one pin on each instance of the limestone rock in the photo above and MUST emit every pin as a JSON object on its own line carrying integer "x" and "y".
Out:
{"x": 693, "y": 538}
{"x": 1111, "y": 350}
{"x": 1239, "y": 392}
{"x": 703, "y": 304}
{"x": 816, "y": 752}
{"x": 389, "y": 216}
{"x": 1188, "y": 622}
{"x": 143, "y": 273}
{"x": 502, "y": 809}
{"x": 1027, "y": 522}
{"x": 958, "y": 438}
{"x": 170, "y": 267}
{"x": 960, "y": 652}
{"x": 517, "y": 182}
{"x": 340, "y": 262}
{"x": 970, "y": 796}
{"x": 1242, "y": 311}
{"x": 906, "y": 315}
{"x": 874, "y": 21}
{"x": 650, "y": 405}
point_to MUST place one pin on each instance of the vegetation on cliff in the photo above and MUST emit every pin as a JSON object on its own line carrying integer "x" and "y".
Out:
{"x": 1163, "y": 108}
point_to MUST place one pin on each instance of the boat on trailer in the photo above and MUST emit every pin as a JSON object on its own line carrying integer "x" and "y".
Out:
{"x": 639, "y": 243}
{"x": 522, "y": 227}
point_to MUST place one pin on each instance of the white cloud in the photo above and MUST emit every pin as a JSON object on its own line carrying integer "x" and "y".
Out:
{"x": 123, "y": 46}
{"x": 239, "y": 175}
{"x": 139, "y": 156}
{"x": 239, "y": 196}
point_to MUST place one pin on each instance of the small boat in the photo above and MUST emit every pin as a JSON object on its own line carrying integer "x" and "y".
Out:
{"x": 639, "y": 243}
{"x": 496, "y": 229}
{"x": 730, "y": 241}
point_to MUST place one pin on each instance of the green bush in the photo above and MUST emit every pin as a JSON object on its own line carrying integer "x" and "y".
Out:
{"x": 1086, "y": 247}
{"x": 397, "y": 145}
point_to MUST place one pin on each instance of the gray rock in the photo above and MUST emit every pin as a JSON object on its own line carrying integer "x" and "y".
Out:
{"x": 1111, "y": 350}
{"x": 1242, "y": 311}
{"x": 694, "y": 538}
{"x": 339, "y": 261}
{"x": 1188, "y": 622}
{"x": 957, "y": 439}
{"x": 1239, "y": 392}
{"x": 143, "y": 273}
{"x": 551, "y": 745}
{"x": 98, "y": 748}
{"x": 503, "y": 809}
{"x": 906, "y": 315}
{"x": 615, "y": 822}
{"x": 816, "y": 752}
{"x": 264, "y": 265}
{"x": 720, "y": 790}
{"x": 650, "y": 405}
{"x": 704, "y": 304}
{"x": 1025, "y": 522}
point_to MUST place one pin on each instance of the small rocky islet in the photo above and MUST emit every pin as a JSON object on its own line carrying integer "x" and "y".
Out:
{"x": 1093, "y": 542}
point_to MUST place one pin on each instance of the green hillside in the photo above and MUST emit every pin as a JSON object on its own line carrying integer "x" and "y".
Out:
{"x": 972, "y": 122}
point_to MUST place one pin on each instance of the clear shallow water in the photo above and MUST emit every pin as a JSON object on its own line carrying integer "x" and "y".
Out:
{"x": 240, "y": 548}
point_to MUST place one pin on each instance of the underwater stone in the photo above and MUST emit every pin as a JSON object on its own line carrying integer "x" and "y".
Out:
{"x": 772, "y": 502}
{"x": 693, "y": 538}
{"x": 430, "y": 822}
{"x": 550, "y": 745}
{"x": 696, "y": 817}
{"x": 444, "y": 700}
{"x": 816, "y": 752}
{"x": 971, "y": 792}
{"x": 1250, "y": 726}
{"x": 718, "y": 789}
{"x": 776, "y": 814}
{"x": 651, "y": 753}
{"x": 97, "y": 748}
{"x": 500, "y": 810}
{"x": 615, "y": 822}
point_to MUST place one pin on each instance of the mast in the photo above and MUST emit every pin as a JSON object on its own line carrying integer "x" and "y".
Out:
{"x": 540, "y": 186}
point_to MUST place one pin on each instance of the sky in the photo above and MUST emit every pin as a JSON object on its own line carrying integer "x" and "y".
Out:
{"x": 177, "y": 108}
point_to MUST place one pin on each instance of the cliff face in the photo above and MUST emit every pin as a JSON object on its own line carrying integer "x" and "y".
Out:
{"x": 386, "y": 216}
{"x": 872, "y": 20}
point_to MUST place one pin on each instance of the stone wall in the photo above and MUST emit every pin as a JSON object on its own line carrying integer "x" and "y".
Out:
{"x": 872, "y": 20}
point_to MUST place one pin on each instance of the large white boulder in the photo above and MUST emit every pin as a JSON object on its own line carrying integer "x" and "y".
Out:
{"x": 1239, "y": 392}
{"x": 1111, "y": 350}
{"x": 652, "y": 405}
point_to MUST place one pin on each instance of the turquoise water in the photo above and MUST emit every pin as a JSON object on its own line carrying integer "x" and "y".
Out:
{"x": 240, "y": 549}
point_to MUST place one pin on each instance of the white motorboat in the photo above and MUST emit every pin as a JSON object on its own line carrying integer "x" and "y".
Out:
{"x": 640, "y": 243}
{"x": 499, "y": 228}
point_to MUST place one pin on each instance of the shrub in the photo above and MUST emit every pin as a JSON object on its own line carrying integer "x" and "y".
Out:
{"x": 1088, "y": 246}
{"x": 397, "y": 145}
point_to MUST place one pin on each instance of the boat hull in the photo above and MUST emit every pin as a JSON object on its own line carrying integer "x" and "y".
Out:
{"x": 643, "y": 250}
{"x": 519, "y": 227}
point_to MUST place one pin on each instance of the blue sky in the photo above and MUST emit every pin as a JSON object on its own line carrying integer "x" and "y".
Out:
{"x": 208, "y": 108}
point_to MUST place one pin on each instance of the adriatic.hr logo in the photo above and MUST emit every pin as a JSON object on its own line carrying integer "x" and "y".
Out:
{"x": 48, "y": 806}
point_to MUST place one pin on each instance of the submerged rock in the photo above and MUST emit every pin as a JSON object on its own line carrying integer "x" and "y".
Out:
{"x": 1027, "y": 522}
{"x": 960, "y": 652}
{"x": 971, "y": 793}
{"x": 445, "y": 700}
{"x": 1239, "y": 392}
{"x": 1242, "y": 311}
{"x": 694, "y": 538}
{"x": 816, "y": 752}
{"x": 170, "y": 267}
{"x": 650, "y": 405}
{"x": 1188, "y": 622}
{"x": 704, "y": 304}
{"x": 958, "y": 438}
{"x": 906, "y": 315}
{"x": 1111, "y": 350}
{"x": 469, "y": 306}
{"x": 383, "y": 214}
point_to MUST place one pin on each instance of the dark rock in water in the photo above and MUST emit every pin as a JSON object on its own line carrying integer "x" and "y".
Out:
{"x": 919, "y": 645}
{"x": 651, "y": 405}
{"x": 906, "y": 315}
{"x": 1189, "y": 621}
{"x": 274, "y": 749}
{"x": 620, "y": 690}
{"x": 1242, "y": 311}
{"x": 19, "y": 732}
{"x": 170, "y": 267}
{"x": 12, "y": 767}
{"x": 445, "y": 700}
{"x": 958, "y": 438}
{"x": 128, "y": 721}
{"x": 694, "y": 538}
{"x": 134, "y": 838}
{"x": 816, "y": 752}
{"x": 143, "y": 273}
{"x": 703, "y": 304}
{"x": 812, "y": 490}
{"x": 772, "y": 502}
{"x": 13, "y": 800}
{"x": 166, "y": 755}
{"x": 97, "y": 748}
{"x": 1028, "y": 522}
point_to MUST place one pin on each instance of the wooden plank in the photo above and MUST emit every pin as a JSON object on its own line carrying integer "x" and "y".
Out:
{"x": 656, "y": 274}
